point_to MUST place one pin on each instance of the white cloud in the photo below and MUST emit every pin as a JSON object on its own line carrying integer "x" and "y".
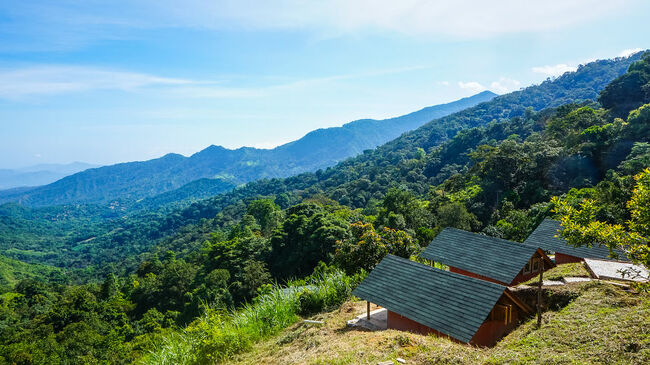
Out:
{"x": 40, "y": 80}
{"x": 629, "y": 52}
{"x": 472, "y": 86}
{"x": 82, "y": 22}
{"x": 464, "y": 18}
{"x": 504, "y": 85}
{"x": 501, "y": 86}
{"x": 554, "y": 70}
{"x": 208, "y": 90}
{"x": 21, "y": 83}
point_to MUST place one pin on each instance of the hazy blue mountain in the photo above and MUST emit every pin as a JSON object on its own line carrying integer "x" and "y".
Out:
{"x": 318, "y": 149}
{"x": 68, "y": 168}
{"x": 339, "y": 143}
{"x": 38, "y": 175}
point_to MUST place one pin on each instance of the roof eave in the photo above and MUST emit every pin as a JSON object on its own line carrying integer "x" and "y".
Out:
{"x": 523, "y": 306}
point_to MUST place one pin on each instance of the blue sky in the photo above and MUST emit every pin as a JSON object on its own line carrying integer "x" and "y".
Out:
{"x": 113, "y": 81}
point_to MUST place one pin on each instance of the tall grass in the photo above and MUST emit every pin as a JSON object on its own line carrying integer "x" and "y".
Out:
{"x": 218, "y": 335}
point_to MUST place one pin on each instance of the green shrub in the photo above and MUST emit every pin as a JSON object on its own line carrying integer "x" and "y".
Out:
{"x": 309, "y": 302}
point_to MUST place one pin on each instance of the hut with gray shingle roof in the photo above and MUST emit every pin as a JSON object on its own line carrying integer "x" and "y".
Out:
{"x": 423, "y": 299}
{"x": 547, "y": 237}
{"x": 485, "y": 257}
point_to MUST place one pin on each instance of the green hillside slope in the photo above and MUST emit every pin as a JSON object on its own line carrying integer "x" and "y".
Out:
{"x": 13, "y": 271}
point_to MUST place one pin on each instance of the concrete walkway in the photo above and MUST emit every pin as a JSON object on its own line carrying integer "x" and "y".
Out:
{"x": 378, "y": 320}
{"x": 604, "y": 269}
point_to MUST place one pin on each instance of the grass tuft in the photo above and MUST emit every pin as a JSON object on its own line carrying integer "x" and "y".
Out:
{"x": 576, "y": 269}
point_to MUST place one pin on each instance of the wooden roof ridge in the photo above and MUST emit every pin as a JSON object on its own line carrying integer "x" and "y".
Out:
{"x": 547, "y": 259}
{"x": 521, "y": 304}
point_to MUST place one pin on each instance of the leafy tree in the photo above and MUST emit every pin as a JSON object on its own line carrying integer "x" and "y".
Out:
{"x": 456, "y": 215}
{"x": 401, "y": 210}
{"x": 306, "y": 236}
{"x": 516, "y": 224}
{"x": 212, "y": 290}
{"x": 110, "y": 286}
{"x": 166, "y": 288}
{"x": 581, "y": 227}
{"x": 630, "y": 90}
{"x": 254, "y": 276}
{"x": 639, "y": 121}
{"x": 235, "y": 256}
{"x": 637, "y": 160}
{"x": 365, "y": 247}
{"x": 266, "y": 213}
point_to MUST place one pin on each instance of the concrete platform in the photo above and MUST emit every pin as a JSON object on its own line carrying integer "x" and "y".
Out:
{"x": 616, "y": 270}
{"x": 552, "y": 283}
{"x": 378, "y": 320}
{"x": 570, "y": 280}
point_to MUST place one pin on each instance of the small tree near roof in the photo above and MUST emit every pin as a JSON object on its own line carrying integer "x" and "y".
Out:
{"x": 580, "y": 227}
{"x": 366, "y": 247}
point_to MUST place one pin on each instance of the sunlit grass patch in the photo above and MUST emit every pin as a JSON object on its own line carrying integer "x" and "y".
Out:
{"x": 575, "y": 269}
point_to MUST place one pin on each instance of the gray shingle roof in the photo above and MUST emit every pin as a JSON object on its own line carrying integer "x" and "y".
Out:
{"x": 491, "y": 257}
{"x": 544, "y": 237}
{"x": 452, "y": 304}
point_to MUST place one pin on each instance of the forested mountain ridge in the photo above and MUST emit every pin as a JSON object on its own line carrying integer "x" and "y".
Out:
{"x": 414, "y": 161}
{"x": 582, "y": 85}
{"x": 333, "y": 143}
{"x": 318, "y": 149}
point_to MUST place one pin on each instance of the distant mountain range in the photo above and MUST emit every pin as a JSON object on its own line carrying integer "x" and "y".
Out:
{"x": 78, "y": 235}
{"x": 221, "y": 168}
{"x": 38, "y": 175}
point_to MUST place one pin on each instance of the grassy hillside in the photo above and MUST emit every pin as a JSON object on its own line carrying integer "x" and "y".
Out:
{"x": 12, "y": 271}
{"x": 603, "y": 324}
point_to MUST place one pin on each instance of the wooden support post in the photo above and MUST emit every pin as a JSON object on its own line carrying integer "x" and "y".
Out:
{"x": 367, "y": 310}
{"x": 539, "y": 292}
